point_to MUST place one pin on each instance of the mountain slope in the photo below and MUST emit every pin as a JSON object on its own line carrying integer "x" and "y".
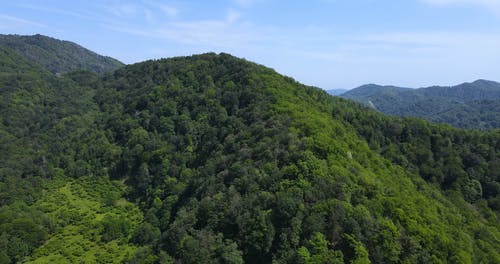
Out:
{"x": 231, "y": 162}
{"x": 58, "y": 56}
{"x": 11, "y": 62}
{"x": 232, "y": 159}
{"x": 468, "y": 105}
{"x": 48, "y": 138}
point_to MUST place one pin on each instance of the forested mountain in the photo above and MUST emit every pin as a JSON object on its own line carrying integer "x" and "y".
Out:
{"x": 469, "y": 105}
{"x": 214, "y": 159}
{"x": 53, "y": 188}
{"x": 58, "y": 56}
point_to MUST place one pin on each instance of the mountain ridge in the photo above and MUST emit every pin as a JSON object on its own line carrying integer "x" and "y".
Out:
{"x": 58, "y": 56}
{"x": 214, "y": 159}
{"x": 445, "y": 104}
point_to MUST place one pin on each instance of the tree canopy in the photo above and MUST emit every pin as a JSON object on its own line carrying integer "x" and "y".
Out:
{"x": 214, "y": 159}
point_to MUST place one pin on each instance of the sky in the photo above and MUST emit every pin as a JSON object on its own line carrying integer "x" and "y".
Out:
{"x": 332, "y": 44}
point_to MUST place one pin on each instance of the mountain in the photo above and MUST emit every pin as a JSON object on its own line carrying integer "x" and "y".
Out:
{"x": 215, "y": 159}
{"x": 469, "y": 105}
{"x": 336, "y": 91}
{"x": 58, "y": 56}
{"x": 368, "y": 90}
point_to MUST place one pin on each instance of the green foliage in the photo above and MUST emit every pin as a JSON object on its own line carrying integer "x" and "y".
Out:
{"x": 114, "y": 228}
{"x": 215, "y": 146}
{"x": 230, "y": 162}
{"x": 58, "y": 56}
{"x": 360, "y": 252}
{"x": 86, "y": 229}
{"x": 319, "y": 252}
{"x": 22, "y": 230}
{"x": 145, "y": 234}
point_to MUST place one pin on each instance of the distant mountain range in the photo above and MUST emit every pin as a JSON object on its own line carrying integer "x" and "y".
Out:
{"x": 58, "y": 56}
{"x": 473, "y": 105}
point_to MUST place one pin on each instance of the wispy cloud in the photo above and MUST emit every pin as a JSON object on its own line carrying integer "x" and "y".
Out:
{"x": 440, "y": 49}
{"x": 127, "y": 10}
{"x": 150, "y": 10}
{"x": 64, "y": 12}
{"x": 227, "y": 32}
{"x": 493, "y": 5}
{"x": 364, "y": 56}
{"x": 21, "y": 21}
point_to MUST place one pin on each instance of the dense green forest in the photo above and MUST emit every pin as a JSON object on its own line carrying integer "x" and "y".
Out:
{"x": 473, "y": 105}
{"x": 58, "y": 56}
{"x": 214, "y": 159}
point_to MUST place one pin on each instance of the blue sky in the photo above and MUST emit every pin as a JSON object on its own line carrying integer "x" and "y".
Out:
{"x": 325, "y": 43}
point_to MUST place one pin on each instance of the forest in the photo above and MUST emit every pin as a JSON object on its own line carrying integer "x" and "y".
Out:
{"x": 215, "y": 159}
{"x": 473, "y": 105}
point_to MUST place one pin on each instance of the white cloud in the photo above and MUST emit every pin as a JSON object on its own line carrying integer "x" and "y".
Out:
{"x": 407, "y": 58}
{"x": 228, "y": 32}
{"x": 81, "y": 14}
{"x": 431, "y": 56}
{"x": 149, "y": 10}
{"x": 18, "y": 20}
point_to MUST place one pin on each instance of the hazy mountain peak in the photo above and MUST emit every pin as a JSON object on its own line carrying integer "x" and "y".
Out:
{"x": 486, "y": 83}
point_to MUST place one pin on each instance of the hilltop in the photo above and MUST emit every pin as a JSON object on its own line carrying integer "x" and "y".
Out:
{"x": 58, "y": 56}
